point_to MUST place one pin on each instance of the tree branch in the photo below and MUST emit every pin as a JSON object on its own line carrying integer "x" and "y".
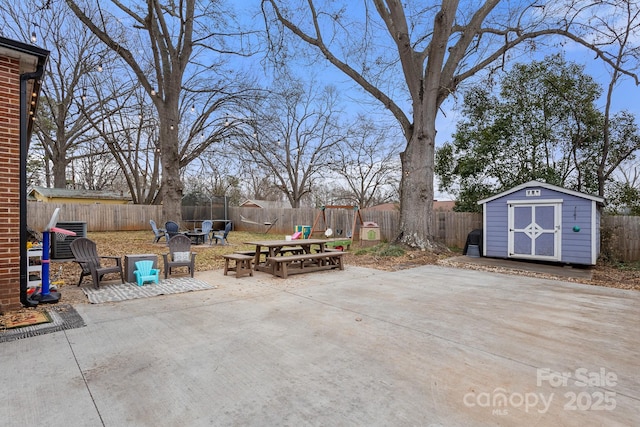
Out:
{"x": 342, "y": 66}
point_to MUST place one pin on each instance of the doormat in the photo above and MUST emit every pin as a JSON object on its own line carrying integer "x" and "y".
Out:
{"x": 125, "y": 291}
{"x": 28, "y": 318}
{"x": 63, "y": 316}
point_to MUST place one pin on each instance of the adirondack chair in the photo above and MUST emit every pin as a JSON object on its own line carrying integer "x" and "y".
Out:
{"x": 179, "y": 255}
{"x": 157, "y": 232}
{"x": 207, "y": 225}
{"x": 172, "y": 229}
{"x": 86, "y": 255}
{"x": 222, "y": 237}
{"x": 146, "y": 273}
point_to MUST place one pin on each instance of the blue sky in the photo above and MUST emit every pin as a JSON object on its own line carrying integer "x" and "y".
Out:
{"x": 625, "y": 97}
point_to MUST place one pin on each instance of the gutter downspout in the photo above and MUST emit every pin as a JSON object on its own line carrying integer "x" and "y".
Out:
{"x": 24, "y": 119}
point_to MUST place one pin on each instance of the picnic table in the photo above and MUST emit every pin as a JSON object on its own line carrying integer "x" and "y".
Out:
{"x": 302, "y": 259}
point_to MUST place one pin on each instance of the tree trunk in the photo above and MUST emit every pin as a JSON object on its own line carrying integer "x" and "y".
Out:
{"x": 416, "y": 190}
{"x": 171, "y": 184}
{"x": 59, "y": 154}
{"x": 60, "y": 173}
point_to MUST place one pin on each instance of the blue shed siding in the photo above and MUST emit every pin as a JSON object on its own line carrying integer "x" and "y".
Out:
{"x": 495, "y": 230}
{"x": 576, "y": 247}
{"x": 597, "y": 238}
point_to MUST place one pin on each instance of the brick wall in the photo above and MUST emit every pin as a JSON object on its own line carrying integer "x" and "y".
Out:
{"x": 9, "y": 184}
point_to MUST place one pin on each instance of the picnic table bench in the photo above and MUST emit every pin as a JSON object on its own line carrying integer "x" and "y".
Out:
{"x": 306, "y": 263}
{"x": 265, "y": 253}
{"x": 242, "y": 266}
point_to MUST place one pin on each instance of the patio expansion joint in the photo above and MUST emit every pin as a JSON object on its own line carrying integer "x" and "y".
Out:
{"x": 84, "y": 378}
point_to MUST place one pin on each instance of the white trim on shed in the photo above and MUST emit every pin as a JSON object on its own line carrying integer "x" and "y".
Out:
{"x": 596, "y": 199}
{"x": 540, "y": 221}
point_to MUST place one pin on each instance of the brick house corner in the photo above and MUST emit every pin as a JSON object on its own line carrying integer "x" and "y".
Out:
{"x": 21, "y": 68}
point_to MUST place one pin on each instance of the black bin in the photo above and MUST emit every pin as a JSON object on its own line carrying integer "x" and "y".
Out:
{"x": 473, "y": 246}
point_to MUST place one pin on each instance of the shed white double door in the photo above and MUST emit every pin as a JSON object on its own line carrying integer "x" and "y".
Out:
{"x": 534, "y": 229}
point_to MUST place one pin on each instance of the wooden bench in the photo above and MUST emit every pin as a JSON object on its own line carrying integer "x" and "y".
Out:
{"x": 294, "y": 250}
{"x": 242, "y": 266}
{"x": 306, "y": 263}
{"x": 263, "y": 251}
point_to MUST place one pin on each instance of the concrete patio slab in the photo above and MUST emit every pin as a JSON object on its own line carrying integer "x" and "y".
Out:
{"x": 433, "y": 346}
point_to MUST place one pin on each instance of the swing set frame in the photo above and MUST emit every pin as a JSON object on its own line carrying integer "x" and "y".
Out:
{"x": 323, "y": 215}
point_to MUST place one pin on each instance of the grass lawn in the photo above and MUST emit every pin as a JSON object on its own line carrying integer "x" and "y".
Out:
{"x": 382, "y": 257}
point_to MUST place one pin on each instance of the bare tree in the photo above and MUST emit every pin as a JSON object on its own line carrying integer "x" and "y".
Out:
{"x": 434, "y": 47}
{"x": 61, "y": 128}
{"x": 215, "y": 174}
{"x": 367, "y": 163}
{"x": 621, "y": 38}
{"x": 259, "y": 186}
{"x": 94, "y": 168}
{"x": 623, "y": 194}
{"x": 160, "y": 41}
{"x": 291, "y": 136}
{"x": 630, "y": 172}
{"x": 129, "y": 129}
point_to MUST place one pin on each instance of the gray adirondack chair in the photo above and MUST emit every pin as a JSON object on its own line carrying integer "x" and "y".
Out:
{"x": 179, "y": 255}
{"x": 86, "y": 255}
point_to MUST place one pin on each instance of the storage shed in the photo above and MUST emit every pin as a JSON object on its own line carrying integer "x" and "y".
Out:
{"x": 540, "y": 221}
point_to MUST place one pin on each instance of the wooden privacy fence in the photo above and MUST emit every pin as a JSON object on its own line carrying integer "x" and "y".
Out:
{"x": 451, "y": 228}
{"x": 98, "y": 217}
{"x": 620, "y": 237}
{"x": 620, "y": 234}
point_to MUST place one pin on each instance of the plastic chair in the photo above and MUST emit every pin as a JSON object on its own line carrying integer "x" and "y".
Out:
{"x": 146, "y": 273}
{"x": 157, "y": 232}
{"x": 207, "y": 225}
{"x": 86, "y": 255}
{"x": 179, "y": 255}
{"x": 222, "y": 237}
{"x": 172, "y": 229}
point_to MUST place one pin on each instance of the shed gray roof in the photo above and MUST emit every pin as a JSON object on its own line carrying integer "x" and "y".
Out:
{"x": 597, "y": 199}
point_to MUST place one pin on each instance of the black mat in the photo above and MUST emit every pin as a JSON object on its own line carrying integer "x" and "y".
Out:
{"x": 63, "y": 316}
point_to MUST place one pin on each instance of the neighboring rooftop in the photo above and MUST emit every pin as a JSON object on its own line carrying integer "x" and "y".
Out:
{"x": 42, "y": 194}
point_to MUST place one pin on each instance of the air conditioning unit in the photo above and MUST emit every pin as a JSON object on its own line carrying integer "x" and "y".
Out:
{"x": 61, "y": 249}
